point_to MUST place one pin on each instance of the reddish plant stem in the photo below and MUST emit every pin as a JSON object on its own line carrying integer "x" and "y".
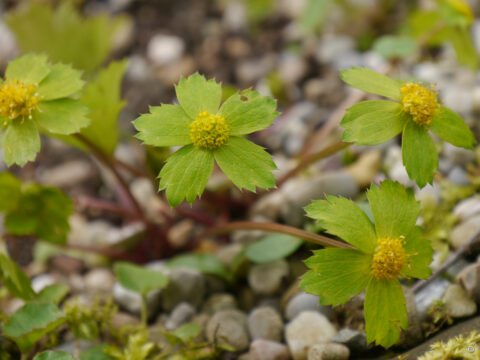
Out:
{"x": 84, "y": 202}
{"x": 108, "y": 252}
{"x": 274, "y": 227}
{"x": 310, "y": 159}
{"x": 131, "y": 169}
{"x": 123, "y": 191}
{"x": 195, "y": 215}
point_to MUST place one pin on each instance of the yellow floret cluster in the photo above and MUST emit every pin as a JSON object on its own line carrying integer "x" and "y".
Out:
{"x": 209, "y": 131}
{"x": 420, "y": 102}
{"x": 17, "y": 99}
{"x": 388, "y": 259}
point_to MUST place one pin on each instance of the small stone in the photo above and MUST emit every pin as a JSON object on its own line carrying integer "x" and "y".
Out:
{"x": 235, "y": 16}
{"x": 366, "y": 167}
{"x": 428, "y": 295}
{"x": 99, "y": 281}
{"x": 165, "y": 49}
{"x": 179, "y": 234}
{"x": 467, "y": 208}
{"x": 132, "y": 301}
{"x": 184, "y": 285}
{"x": 69, "y": 174}
{"x": 334, "y": 47}
{"x": 303, "y": 302}
{"x": 355, "y": 340}
{"x": 217, "y": 302}
{"x": 456, "y": 155}
{"x": 413, "y": 335}
{"x": 268, "y": 350}
{"x": 463, "y": 233}
{"x": 266, "y": 279}
{"x": 457, "y": 303}
{"x": 265, "y": 323}
{"x": 228, "y": 253}
{"x": 330, "y": 351}
{"x": 228, "y": 327}
{"x": 469, "y": 278}
{"x": 308, "y": 329}
{"x": 40, "y": 282}
{"x": 291, "y": 67}
{"x": 458, "y": 176}
{"x": 181, "y": 314}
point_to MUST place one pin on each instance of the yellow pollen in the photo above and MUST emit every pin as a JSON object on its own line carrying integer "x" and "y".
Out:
{"x": 209, "y": 131}
{"x": 420, "y": 102}
{"x": 388, "y": 259}
{"x": 17, "y": 99}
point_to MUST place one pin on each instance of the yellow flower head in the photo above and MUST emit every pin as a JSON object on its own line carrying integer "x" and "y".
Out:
{"x": 388, "y": 259}
{"x": 17, "y": 99}
{"x": 420, "y": 102}
{"x": 209, "y": 131}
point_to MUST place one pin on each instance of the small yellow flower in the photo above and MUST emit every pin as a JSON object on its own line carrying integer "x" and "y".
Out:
{"x": 209, "y": 131}
{"x": 420, "y": 102}
{"x": 17, "y": 99}
{"x": 388, "y": 259}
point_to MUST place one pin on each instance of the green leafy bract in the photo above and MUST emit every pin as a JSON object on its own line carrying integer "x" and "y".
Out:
{"x": 139, "y": 279}
{"x": 54, "y": 355}
{"x": 53, "y": 294}
{"x": 207, "y": 264}
{"x": 338, "y": 274}
{"x": 32, "y": 322}
{"x": 372, "y": 82}
{"x": 10, "y": 191}
{"x": 186, "y": 173}
{"x": 391, "y": 46}
{"x": 272, "y": 247}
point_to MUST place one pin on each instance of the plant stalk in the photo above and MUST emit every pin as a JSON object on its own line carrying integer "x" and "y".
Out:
{"x": 274, "y": 227}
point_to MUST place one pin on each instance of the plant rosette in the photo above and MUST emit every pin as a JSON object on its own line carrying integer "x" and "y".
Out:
{"x": 415, "y": 112}
{"x": 393, "y": 248}
{"x": 36, "y": 95}
{"x": 209, "y": 133}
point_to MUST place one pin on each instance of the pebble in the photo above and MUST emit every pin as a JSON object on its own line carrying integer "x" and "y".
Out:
{"x": 8, "y": 50}
{"x": 181, "y": 314}
{"x": 458, "y": 176}
{"x": 355, "y": 340}
{"x": 228, "y": 327}
{"x": 217, "y": 302}
{"x": 268, "y": 350}
{"x": 184, "y": 285}
{"x": 414, "y": 334}
{"x": 235, "y": 16}
{"x": 464, "y": 232}
{"x": 228, "y": 253}
{"x": 308, "y": 329}
{"x": 266, "y": 279}
{"x": 467, "y": 208}
{"x": 456, "y": 155}
{"x": 469, "y": 278}
{"x": 303, "y": 302}
{"x": 330, "y": 351}
{"x": 68, "y": 174}
{"x": 265, "y": 323}
{"x": 334, "y": 47}
{"x": 41, "y": 281}
{"x": 180, "y": 233}
{"x": 165, "y": 49}
{"x": 457, "y": 303}
{"x": 291, "y": 67}
{"x": 366, "y": 167}
{"x": 425, "y": 297}
{"x": 99, "y": 281}
{"x": 132, "y": 301}
{"x": 249, "y": 71}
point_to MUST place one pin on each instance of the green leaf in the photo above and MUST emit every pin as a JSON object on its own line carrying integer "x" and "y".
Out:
{"x": 246, "y": 164}
{"x": 207, "y": 264}
{"x": 419, "y": 255}
{"x": 464, "y": 46}
{"x": 30, "y": 68}
{"x": 394, "y": 209}
{"x": 376, "y": 127}
{"x": 54, "y": 355}
{"x": 21, "y": 142}
{"x": 336, "y": 274}
{"x": 196, "y": 94}
{"x": 14, "y": 279}
{"x": 62, "y": 81}
{"x": 372, "y": 82}
{"x": 343, "y": 218}
{"x": 315, "y": 13}
{"x": 385, "y": 312}
{"x": 53, "y": 294}
{"x": 139, "y": 279}
{"x": 10, "y": 189}
{"x": 247, "y": 111}
{"x": 395, "y": 46}
{"x": 95, "y": 352}
{"x": 188, "y": 332}
{"x": 365, "y": 107}
{"x": 419, "y": 154}
{"x": 272, "y": 247}
{"x": 42, "y": 211}
{"x": 102, "y": 96}
{"x": 64, "y": 35}
{"x": 449, "y": 126}
{"x": 62, "y": 116}
{"x": 32, "y": 322}
{"x": 186, "y": 174}
{"x": 166, "y": 125}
